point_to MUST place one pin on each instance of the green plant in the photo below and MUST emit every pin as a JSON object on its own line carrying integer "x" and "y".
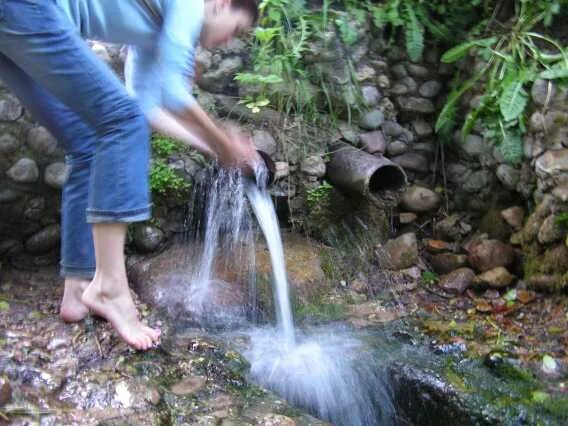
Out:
{"x": 510, "y": 61}
{"x": 317, "y": 195}
{"x": 164, "y": 180}
{"x": 429, "y": 277}
{"x": 443, "y": 20}
{"x": 163, "y": 146}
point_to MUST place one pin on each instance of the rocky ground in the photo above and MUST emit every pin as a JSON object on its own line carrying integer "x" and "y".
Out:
{"x": 53, "y": 373}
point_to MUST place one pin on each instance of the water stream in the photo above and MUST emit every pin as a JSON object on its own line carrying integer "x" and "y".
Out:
{"x": 325, "y": 371}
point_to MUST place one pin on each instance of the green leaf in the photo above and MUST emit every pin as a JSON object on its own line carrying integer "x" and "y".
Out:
{"x": 513, "y": 100}
{"x": 4, "y": 306}
{"x": 511, "y": 146}
{"x": 549, "y": 364}
{"x": 511, "y": 295}
{"x": 414, "y": 33}
{"x": 554, "y": 73}
{"x": 540, "y": 396}
{"x": 459, "y": 51}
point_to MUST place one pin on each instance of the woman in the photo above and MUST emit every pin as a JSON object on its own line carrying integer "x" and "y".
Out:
{"x": 45, "y": 62}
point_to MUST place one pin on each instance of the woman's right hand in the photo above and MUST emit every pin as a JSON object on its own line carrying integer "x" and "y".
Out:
{"x": 241, "y": 153}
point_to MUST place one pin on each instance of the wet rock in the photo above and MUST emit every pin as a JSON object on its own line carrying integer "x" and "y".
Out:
{"x": 456, "y": 282}
{"x": 10, "y": 108}
{"x": 541, "y": 282}
{"x": 189, "y": 386}
{"x": 276, "y": 420}
{"x": 412, "y": 161}
{"x": 147, "y": 238}
{"x": 422, "y": 128}
{"x": 41, "y": 141}
{"x": 264, "y": 142}
{"x": 371, "y": 95}
{"x": 313, "y": 166}
{"x": 8, "y": 194}
{"x": 34, "y": 208}
{"x": 401, "y": 252}
{"x": 514, "y": 216}
{"x": 349, "y": 133}
{"x": 415, "y": 105}
{"x": 436, "y": 246}
{"x": 410, "y": 83}
{"x": 552, "y": 163}
{"x": 282, "y": 170}
{"x": 55, "y": 175}
{"x": 457, "y": 172}
{"x": 24, "y": 171}
{"x": 303, "y": 265}
{"x": 383, "y": 82}
{"x": 508, "y": 175}
{"x": 45, "y": 240}
{"x": 420, "y": 199}
{"x": 550, "y": 231}
{"x": 397, "y": 148}
{"x": 542, "y": 90}
{"x": 399, "y": 71}
{"x": 372, "y": 120}
{"x": 495, "y": 278}
{"x": 430, "y": 89}
{"x": 405, "y": 218}
{"x": 488, "y": 254}
{"x": 418, "y": 71}
{"x": 448, "y": 228}
{"x": 561, "y": 192}
{"x": 472, "y": 145}
{"x": 536, "y": 122}
{"x": 8, "y": 144}
{"x": 373, "y": 142}
{"x": 392, "y": 129}
{"x": 424, "y": 398}
{"x": 478, "y": 181}
{"x": 444, "y": 263}
{"x": 214, "y": 81}
{"x": 5, "y": 391}
{"x": 365, "y": 73}
{"x": 400, "y": 89}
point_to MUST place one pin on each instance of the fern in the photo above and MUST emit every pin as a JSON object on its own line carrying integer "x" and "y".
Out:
{"x": 513, "y": 99}
{"x": 414, "y": 33}
{"x": 511, "y": 145}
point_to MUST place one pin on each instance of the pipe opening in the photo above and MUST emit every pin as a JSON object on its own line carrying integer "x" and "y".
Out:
{"x": 386, "y": 178}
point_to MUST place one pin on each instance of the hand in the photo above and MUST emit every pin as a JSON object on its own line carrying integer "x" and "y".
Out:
{"x": 241, "y": 153}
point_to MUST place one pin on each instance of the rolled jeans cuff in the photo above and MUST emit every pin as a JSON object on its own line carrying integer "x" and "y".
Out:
{"x": 137, "y": 215}
{"x": 69, "y": 271}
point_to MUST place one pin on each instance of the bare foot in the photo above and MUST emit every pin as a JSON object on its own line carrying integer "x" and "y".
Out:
{"x": 72, "y": 307}
{"x": 117, "y": 307}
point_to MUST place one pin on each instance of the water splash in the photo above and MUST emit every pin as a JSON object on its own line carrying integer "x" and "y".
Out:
{"x": 328, "y": 372}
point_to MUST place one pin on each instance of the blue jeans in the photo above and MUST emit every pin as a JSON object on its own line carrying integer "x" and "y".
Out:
{"x": 47, "y": 65}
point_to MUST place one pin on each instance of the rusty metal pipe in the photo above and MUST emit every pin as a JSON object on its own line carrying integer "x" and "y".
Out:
{"x": 355, "y": 171}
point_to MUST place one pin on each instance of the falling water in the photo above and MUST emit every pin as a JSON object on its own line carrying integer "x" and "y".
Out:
{"x": 326, "y": 371}
{"x": 225, "y": 227}
{"x": 263, "y": 208}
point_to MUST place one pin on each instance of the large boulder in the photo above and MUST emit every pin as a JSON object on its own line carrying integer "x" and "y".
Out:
{"x": 399, "y": 253}
{"x": 420, "y": 199}
{"x": 303, "y": 266}
{"x": 488, "y": 254}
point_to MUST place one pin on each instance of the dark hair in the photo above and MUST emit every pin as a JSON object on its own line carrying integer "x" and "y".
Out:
{"x": 249, "y": 6}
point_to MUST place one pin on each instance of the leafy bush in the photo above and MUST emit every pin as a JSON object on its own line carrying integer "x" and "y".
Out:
{"x": 163, "y": 179}
{"x": 512, "y": 59}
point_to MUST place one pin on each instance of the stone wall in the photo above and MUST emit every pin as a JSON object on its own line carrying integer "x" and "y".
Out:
{"x": 393, "y": 103}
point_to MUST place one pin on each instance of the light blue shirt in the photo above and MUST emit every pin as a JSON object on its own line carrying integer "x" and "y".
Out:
{"x": 162, "y": 36}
